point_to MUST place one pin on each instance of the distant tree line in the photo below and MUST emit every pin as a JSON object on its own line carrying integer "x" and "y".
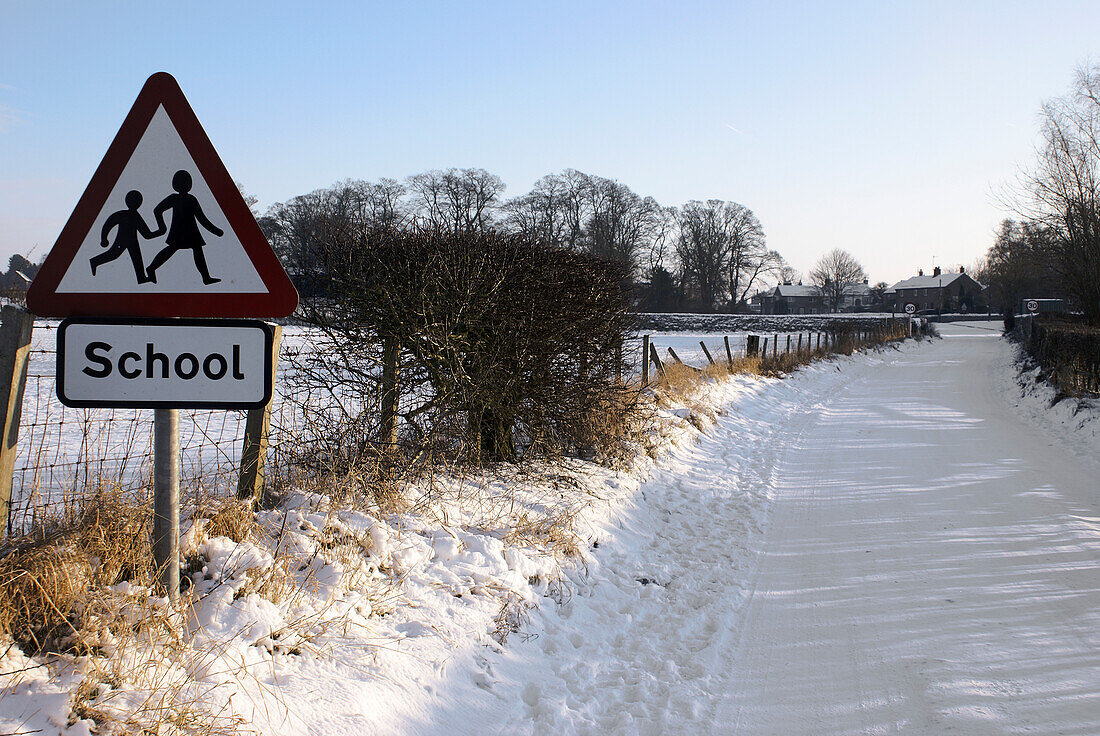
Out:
{"x": 14, "y": 281}
{"x": 1053, "y": 249}
{"x": 702, "y": 256}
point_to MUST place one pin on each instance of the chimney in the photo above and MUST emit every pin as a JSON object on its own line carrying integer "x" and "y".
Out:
{"x": 936, "y": 271}
{"x": 920, "y": 272}
{"x": 962, "y": 269}
{"x": 864, "y": 280}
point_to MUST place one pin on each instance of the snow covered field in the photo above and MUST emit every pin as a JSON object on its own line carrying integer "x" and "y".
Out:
{"x": 901, "y": 541}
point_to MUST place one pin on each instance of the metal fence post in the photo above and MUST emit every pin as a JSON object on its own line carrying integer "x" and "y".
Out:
{"x": 15, "y": 343}
{"x": 256, "y": 427}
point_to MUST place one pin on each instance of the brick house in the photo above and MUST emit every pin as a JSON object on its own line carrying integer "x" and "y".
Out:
{"x": 790, "y": 298}
{"x": 942, "y": 292}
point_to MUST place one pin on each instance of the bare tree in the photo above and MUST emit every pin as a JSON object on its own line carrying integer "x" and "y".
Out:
{"x": 835, "y": 273}
{"x": 722, "y": 252}
{"x": 297, "y": 227}
{"x": 750, "y": 259}
{"x": 582, "y": 212}
{"x": 1065, "y": 189}
{"x": 789, "y": 274}
{"x": 541, "y": 215}
{"x": 1017, "y": 265}
{"x": 620, "y": 225}
{"x": 455, "y": 200}
{"x": 703, "y": 250}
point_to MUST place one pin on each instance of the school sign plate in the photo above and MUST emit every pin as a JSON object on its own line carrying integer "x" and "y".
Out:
{"x": 164, "y": 363}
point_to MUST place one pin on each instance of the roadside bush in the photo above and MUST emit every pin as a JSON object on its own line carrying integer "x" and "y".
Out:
{"x": 1067, "y": 351}
{"x": 500, "y": 349}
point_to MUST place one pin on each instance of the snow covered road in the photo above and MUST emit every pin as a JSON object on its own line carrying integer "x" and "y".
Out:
{"x": 929, "y": 566}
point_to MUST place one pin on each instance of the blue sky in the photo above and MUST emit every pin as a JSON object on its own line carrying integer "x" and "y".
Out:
{"x": 885, "y": 128}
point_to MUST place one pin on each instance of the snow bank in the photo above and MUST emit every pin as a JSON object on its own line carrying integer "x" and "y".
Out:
{"x": 1073, "y": 422}
{"x": 343, "y": 621}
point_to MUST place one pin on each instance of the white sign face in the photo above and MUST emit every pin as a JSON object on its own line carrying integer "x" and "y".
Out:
{"x": 216, "y": 364}
{"x": 910, "y": 308}
{"x": 190, "y": 249}
{"x": 1032, "y": 305}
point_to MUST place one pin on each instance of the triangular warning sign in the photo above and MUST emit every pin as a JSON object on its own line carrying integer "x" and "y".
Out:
{"x": 161, "y": 230}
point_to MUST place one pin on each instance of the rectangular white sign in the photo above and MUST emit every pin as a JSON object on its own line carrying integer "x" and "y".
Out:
{"x": 164, "y": 363}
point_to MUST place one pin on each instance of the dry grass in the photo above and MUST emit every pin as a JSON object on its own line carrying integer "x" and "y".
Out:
{"x": 232, "y": 519}
{"x": 554, "y": 533}
{"x": 50, "y": 582}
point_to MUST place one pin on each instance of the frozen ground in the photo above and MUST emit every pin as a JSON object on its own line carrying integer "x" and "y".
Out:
{"x": 900, "y": 542}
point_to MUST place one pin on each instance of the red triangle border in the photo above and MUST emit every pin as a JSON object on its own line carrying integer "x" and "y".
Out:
{"x": 281, "y": 299}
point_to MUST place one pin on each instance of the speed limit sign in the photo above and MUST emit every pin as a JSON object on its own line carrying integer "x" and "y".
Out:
{"x": 910, "y": 308}
{"x": 1032, "y": 305}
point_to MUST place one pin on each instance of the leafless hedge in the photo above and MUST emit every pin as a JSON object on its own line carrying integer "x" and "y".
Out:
{"x": 1068, "y": 352}
{"x": 487, "y": 347}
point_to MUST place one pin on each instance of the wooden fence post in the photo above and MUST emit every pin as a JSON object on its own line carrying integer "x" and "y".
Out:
{"x": 729, "y": 353}
{"x": 775, "y": 346}
{"x": 250, "y": 485}
{"x": 799, "y": 342}
{"x": 788, "y": 344}
{"x": 752, "y": 346}
{"x": 674, "y": 355}
{"x": 645, "y": 360}
{"x": 656, "y": 359}
{"x": 707, "y": 353}
{"x": 387, "y": 431}
{"x": 764, "y": 350}
{"x": 15, "y": 345}
{"x": 619, "y": 360}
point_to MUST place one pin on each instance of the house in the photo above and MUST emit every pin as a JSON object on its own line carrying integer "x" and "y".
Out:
{"x": 788, "y": 298}
{"x": 856, "y": 297}
{"x": 940, "y": 292}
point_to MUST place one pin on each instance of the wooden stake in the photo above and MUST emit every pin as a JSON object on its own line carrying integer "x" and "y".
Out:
{"x": 706, "y": 352}
{"x": 15, "y": 345}
{"x": 729, "y": 353}
{"x": 387, "y": 435}
{"x": 257, "y": 424}
{"x": 645, "y": 360}
{"x": 656, "y": 359}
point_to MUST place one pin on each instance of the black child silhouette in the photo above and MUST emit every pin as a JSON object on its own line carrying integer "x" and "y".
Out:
{"x": 130, "y": 224}
{"x": 184, "y": 232}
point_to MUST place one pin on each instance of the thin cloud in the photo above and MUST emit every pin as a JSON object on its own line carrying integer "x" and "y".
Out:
{"x": 8, "y": 118}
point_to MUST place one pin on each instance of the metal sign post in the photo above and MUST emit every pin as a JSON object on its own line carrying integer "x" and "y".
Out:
{"x": 166, "y": 499}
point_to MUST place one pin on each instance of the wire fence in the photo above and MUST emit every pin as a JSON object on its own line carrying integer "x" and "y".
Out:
{"x": 66, "y": 455}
